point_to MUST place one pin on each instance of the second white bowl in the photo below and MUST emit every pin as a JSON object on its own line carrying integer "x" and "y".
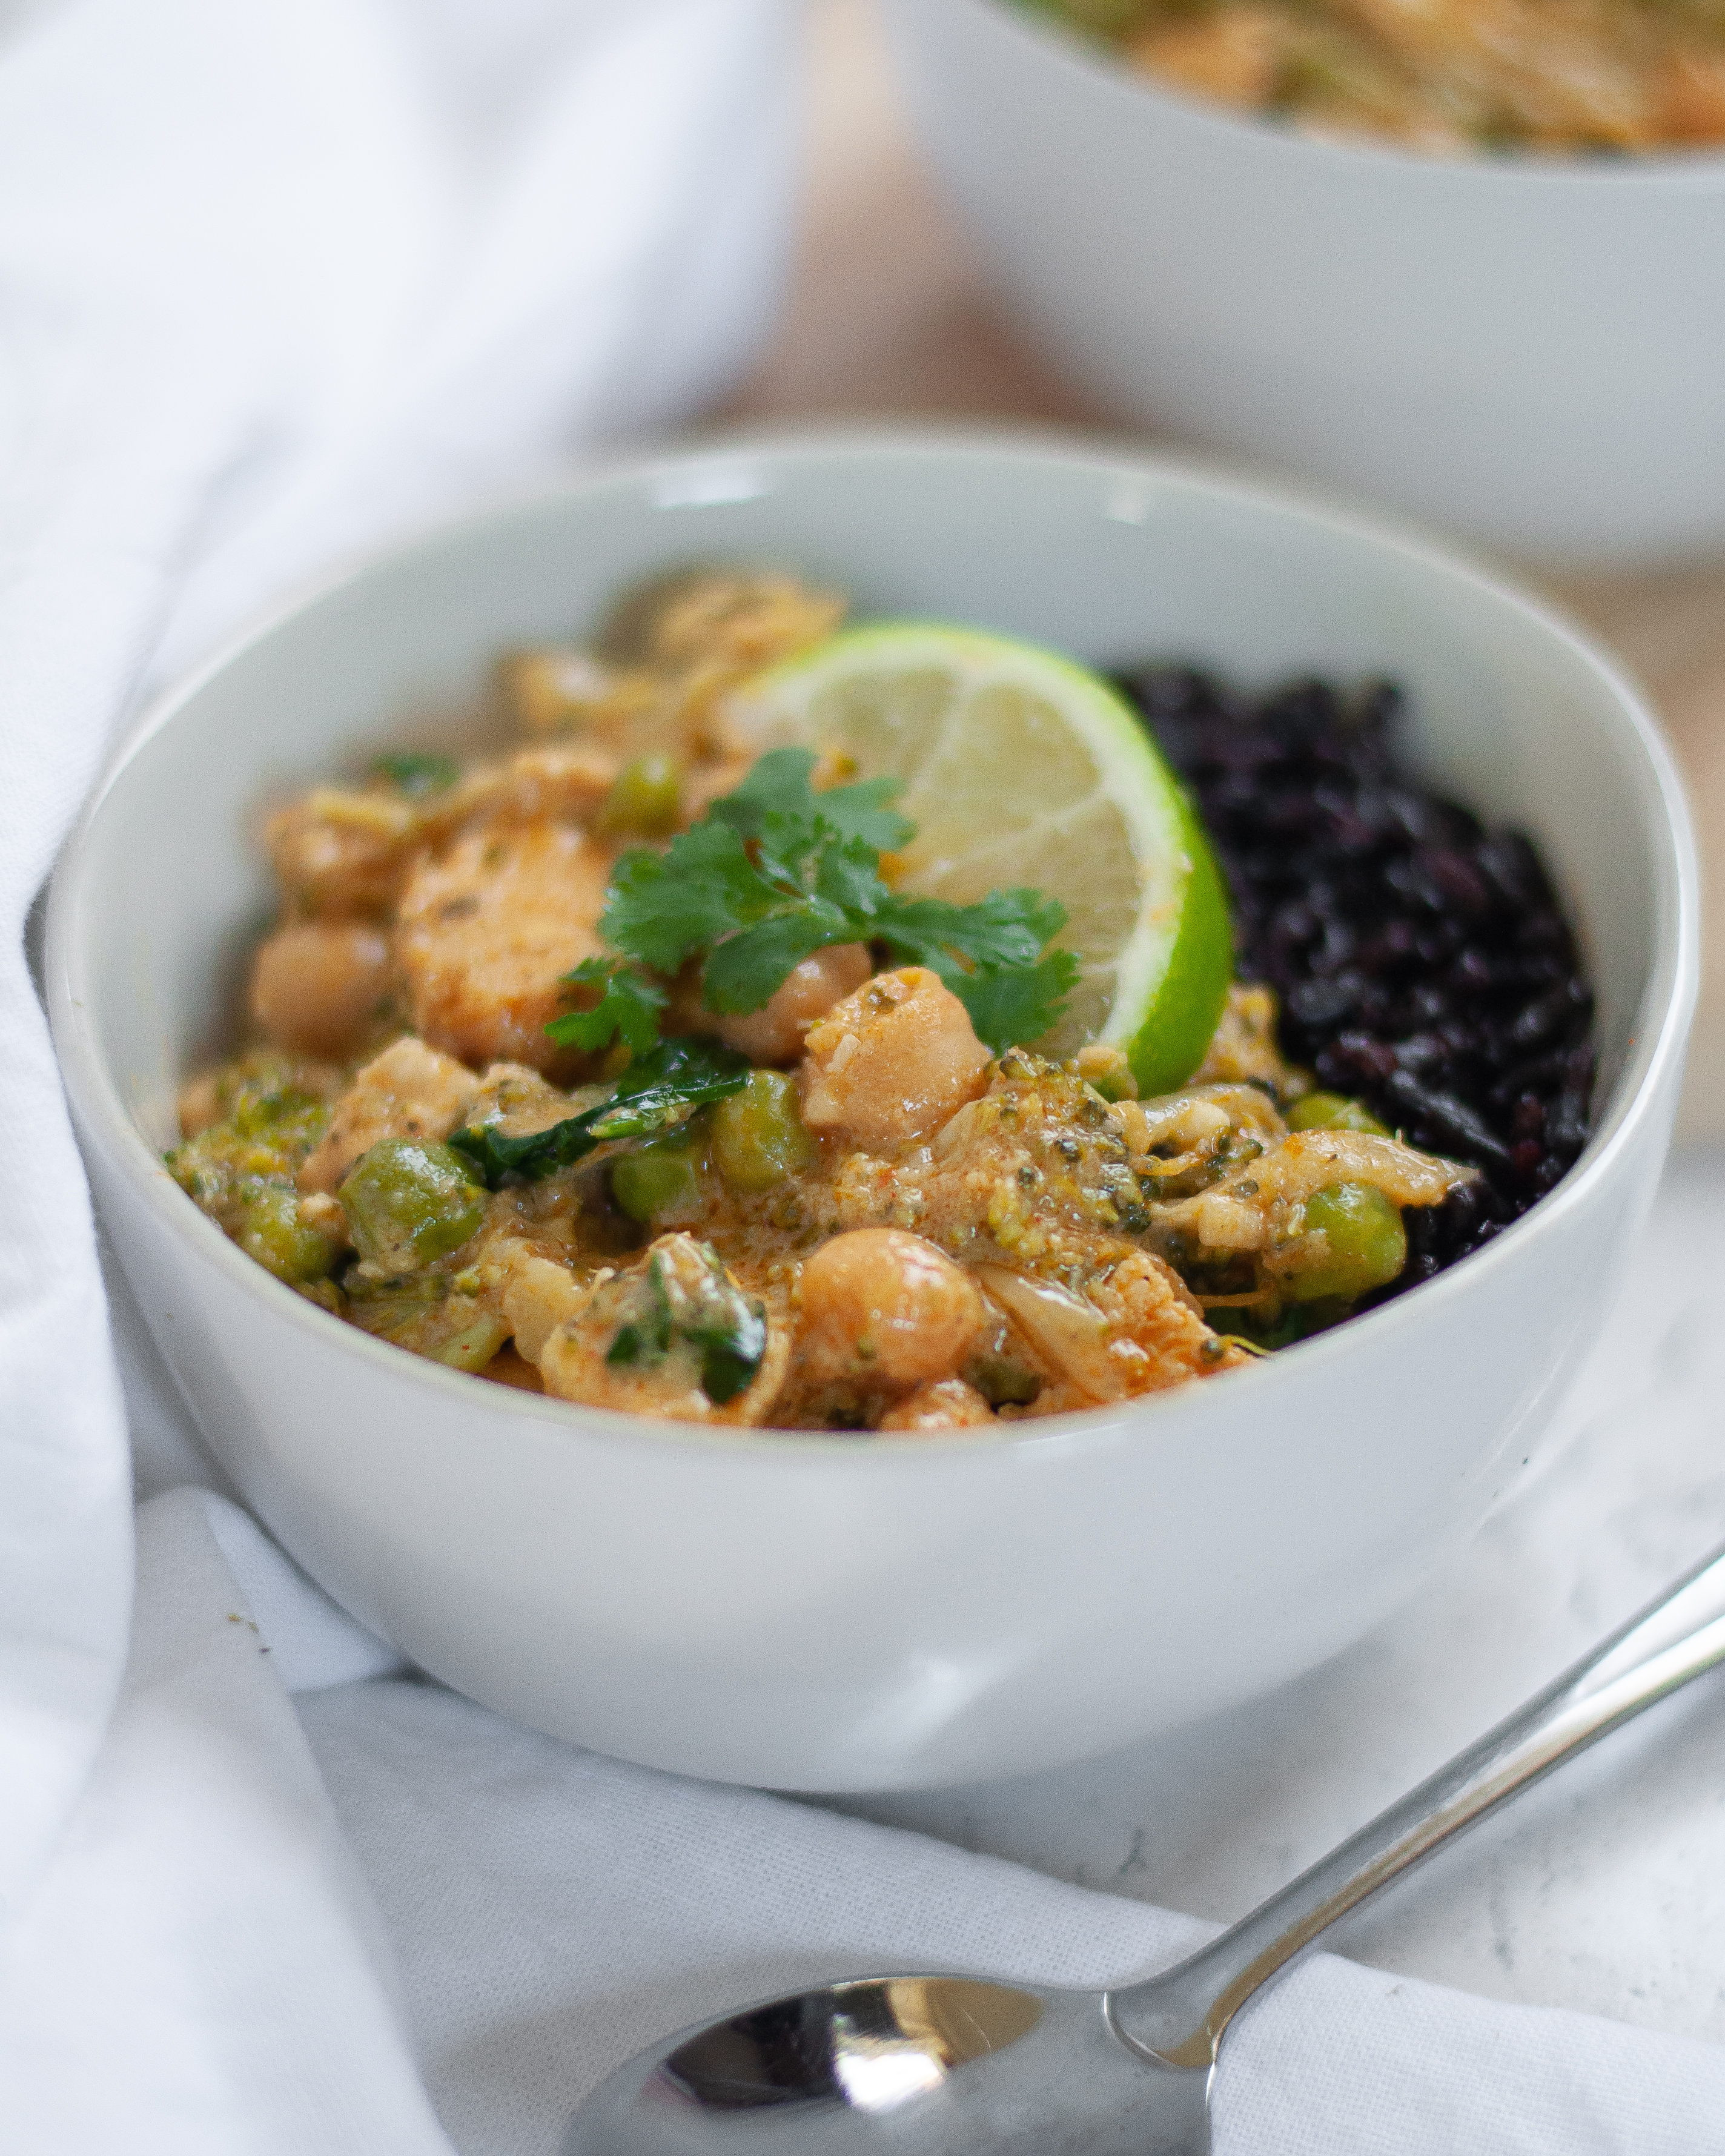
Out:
{"x": 1530, "y": 351}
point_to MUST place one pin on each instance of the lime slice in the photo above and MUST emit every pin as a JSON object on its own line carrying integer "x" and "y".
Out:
{"x": 1018, "y": 767}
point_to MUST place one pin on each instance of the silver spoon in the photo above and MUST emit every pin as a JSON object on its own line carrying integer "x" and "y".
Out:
{"x": 956, "y": 2065}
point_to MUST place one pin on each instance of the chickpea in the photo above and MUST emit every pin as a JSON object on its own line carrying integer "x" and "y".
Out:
{"x": 892, "y": 1062}
{"x": 318, "y": 985}
{"x": 881, "y": 1306}
{"x": 775, "y": 1033}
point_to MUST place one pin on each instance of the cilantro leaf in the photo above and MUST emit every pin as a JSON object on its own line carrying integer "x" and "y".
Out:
{"x": 746, "y": 968}
{"x": 628, "y": 1008}
{"x": 415, "y": 774}
{"x": 1011, "y": 1004}
{"x": 776, "y": 872}
{"x": 661, "y": 907}
{"x": 848, "y": 876}
{"x": 779, "y": 786}
{"x": 990, "y": 955}
{"x": 1006, "y": 928}
{"x": 683, "y": 1072}
{"x": 657, "y": 1089}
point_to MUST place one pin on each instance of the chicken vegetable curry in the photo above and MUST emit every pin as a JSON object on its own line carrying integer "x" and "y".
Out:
{"x": 629, "y": 1067}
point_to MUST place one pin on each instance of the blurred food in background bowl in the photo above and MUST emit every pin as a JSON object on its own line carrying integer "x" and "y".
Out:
{"x": 806, "y": 1609}
{"x": 1524, "y": 348}
{"x": 1587, "y": 77}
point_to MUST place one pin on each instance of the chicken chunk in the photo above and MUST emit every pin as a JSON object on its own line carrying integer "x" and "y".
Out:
{"x": 563, "y": 781}
{"x": 538, "y": 1294}
{"x": 892, "y": 1062}
{"x": 488, "y": 932}
{"x": 409, "y": 1091}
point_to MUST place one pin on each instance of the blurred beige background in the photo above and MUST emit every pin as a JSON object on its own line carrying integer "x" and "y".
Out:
{"x": 889, "y": 314}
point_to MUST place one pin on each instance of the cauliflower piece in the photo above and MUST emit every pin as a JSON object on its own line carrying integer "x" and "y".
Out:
{"x": 1243, "y": 1049}
{"x": 409, "y": 1091}
{"x": 892, "y": 1062}
{"x": 734, "y": 619}
{"x": 538, "y": 1294}
{"x": 488, "y": 931}
{"x": 1235, "y": 56}
{"x": 1158, "y": 1333}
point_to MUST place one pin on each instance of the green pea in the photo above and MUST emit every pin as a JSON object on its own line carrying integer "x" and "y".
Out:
{"x": 657, "y": 1180}
{"x": 1333, "y": 1112}
{"x": 271, "y": 1231}
{"x": 408, "y": 1203}
{"x": 1002, "y": 1381}
{"x": 758, "y": 1138}
{"x": 1367, "y": 1243}
{"x": 646, "y": 797}
{"x": 267, "y": 1110}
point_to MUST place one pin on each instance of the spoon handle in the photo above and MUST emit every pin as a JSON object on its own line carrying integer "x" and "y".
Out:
{"x": 1180, "y": 2016}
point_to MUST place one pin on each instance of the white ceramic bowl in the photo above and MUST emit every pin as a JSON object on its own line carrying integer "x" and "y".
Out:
{"x": 816, "y": 1611}
{"x": 1534, "y": 352}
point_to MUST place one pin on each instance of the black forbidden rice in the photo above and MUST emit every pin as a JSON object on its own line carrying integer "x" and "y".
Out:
{"x": 1421, "y": 960}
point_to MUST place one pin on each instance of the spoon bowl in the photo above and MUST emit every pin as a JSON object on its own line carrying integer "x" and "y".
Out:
{"x": 890, "y": 2063}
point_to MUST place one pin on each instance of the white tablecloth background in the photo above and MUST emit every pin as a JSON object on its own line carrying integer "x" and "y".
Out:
{"x": 274, "y": 279}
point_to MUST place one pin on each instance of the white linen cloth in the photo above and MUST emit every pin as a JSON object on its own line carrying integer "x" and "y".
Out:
{"x": 275, "y": 275}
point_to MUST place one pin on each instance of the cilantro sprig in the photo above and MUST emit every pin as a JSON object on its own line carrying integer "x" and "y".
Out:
{"x": 659, "y": 1088}
{"x": 776, "y": 872}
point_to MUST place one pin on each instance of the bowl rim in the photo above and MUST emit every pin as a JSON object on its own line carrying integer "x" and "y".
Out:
{"x": 1670, "y": 992}
{"x": 1701, "y": 169}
